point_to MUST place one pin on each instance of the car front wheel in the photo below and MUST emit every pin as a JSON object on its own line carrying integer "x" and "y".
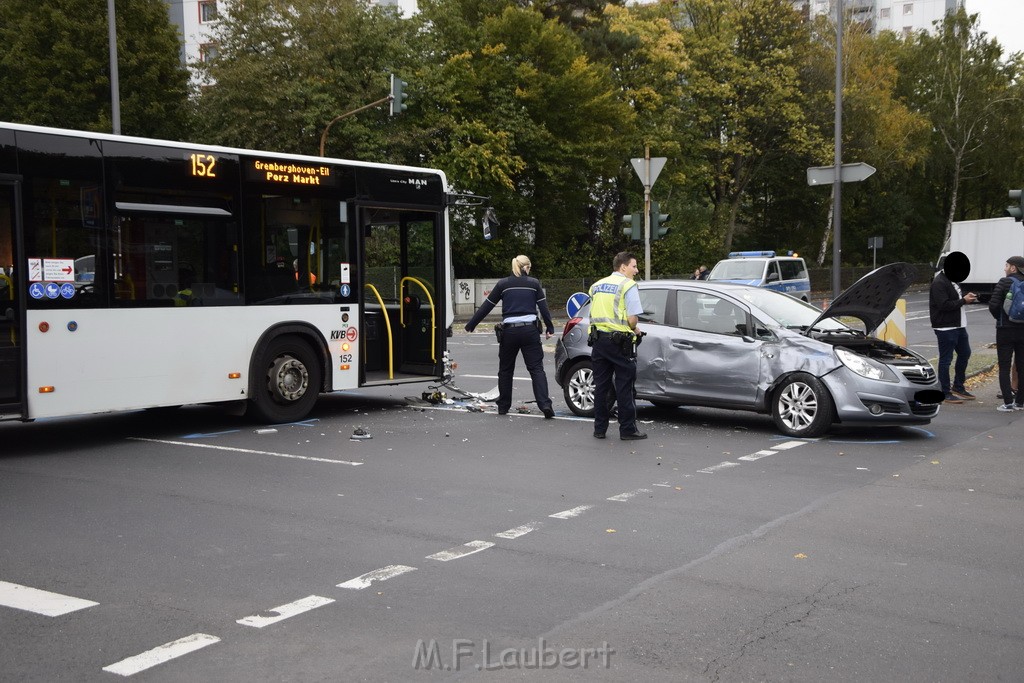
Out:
{"x": 802, "y": 406}
{"x": 578, "y": 389}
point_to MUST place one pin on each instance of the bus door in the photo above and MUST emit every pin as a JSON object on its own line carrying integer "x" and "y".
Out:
{"x": 11, "y": 313}
{"x": 403, "y": 292}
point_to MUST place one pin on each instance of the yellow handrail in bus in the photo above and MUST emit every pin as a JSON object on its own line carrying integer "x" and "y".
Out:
{"x": 387, "y": 323}
{"x": 433, "y": 325}
{"x": 125, "y": 285}
{"x": 10, "y": 297}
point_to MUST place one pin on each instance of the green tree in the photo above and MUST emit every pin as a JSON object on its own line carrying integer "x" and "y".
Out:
{"x": 521, "y": 114}
{"x": 55, "y": 71}
{"x": 958, "y": 78}
{"x": 745, "y": 81}
{"x": 286, "y": 68}
{"x": 878, "y": 129}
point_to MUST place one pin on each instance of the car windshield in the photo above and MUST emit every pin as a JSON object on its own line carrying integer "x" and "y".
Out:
{"x": 738, "y": 269}
{"x": 788, "y": 311}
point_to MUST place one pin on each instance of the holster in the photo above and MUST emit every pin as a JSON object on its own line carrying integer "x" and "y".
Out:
{"x": 499, "y": 331}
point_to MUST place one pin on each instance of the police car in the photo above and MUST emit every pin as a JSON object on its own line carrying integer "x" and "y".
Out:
{"x": 786, "y": 273}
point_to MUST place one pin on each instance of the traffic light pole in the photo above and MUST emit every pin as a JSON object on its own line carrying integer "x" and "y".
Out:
{"x": 323, "y": 136}
{"x": 647, "y": 213}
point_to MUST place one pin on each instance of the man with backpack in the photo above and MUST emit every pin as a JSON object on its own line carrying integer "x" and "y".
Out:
{"x": 1007, "y": 307}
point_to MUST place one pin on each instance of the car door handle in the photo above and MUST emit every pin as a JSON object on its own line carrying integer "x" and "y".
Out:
{"x": 681, "y": 344}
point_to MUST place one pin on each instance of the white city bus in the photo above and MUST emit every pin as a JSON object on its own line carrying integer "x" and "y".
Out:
{"x": 140, "y": 273}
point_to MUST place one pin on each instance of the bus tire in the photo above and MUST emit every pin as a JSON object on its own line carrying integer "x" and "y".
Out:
{"x": 288, "y": 378}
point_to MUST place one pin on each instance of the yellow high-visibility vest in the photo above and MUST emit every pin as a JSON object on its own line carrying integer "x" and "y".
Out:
{"x": 608, "y": 303}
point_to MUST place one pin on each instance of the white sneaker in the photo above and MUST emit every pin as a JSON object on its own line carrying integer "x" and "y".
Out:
{"x": 1007, "y": 408}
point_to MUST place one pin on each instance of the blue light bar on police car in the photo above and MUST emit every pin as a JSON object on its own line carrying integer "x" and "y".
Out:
{"x": 751, "y": 254}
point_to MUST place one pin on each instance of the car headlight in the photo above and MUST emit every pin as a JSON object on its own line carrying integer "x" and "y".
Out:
{"x": 865, "y": 367}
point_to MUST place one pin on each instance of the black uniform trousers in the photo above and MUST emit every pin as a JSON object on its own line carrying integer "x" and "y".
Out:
{"x": 613, "y": 366}
{"x": 523, "y": 339}
{"x": 1010, "y": 348}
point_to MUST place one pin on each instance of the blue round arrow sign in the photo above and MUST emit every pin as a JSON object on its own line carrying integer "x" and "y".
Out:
{"x": 575, "y": 303}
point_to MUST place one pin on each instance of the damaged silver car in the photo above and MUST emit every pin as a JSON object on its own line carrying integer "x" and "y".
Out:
{"x": 746, "y": 348}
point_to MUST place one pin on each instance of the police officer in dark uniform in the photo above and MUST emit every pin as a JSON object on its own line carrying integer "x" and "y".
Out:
{"x": 521, "y": 297}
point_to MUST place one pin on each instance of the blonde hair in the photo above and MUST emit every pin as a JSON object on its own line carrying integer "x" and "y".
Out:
{"x": 521, "y": 263}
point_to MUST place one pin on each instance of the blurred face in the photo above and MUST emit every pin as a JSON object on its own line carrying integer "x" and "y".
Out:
{"x": 630, "y": 270}
{"x": 1010, "y": 269}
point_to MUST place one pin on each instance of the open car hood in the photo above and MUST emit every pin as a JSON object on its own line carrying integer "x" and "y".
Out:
{"x": 873, "y": 297}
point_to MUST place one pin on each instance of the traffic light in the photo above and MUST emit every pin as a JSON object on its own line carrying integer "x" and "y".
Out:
{"x": 1016, "y": 211}
{"x": 658, "y": 220}
{"x": 398, "y": 95}
{"x": 634, "y": 226}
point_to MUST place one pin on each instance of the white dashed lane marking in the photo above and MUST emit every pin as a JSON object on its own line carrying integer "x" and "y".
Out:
{"x": 756, "y": 456}
{"x": 41, "y": 602}
{"x": 720, "y": 466}
{"x": 470, "y": 548}
{"x": 518, "y": 531}
{"x": 623, "y": 497}
{"x": 382, "y": 574}
{"x": 161, "y": 654}
{"x": 574, "y": 512}
{"x": 246, "y": 450}
{"x": 286, "y": 611}
{"x": 785, "y": 446}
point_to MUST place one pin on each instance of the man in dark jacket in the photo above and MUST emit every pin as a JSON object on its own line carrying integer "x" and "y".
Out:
{"x": 1009, "y": 336}
{"x": 949, "y": 320}
{"x": 521, "y": 296}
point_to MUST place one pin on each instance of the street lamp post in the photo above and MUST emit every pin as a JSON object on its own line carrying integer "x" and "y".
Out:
{"x": 115, "y": 86}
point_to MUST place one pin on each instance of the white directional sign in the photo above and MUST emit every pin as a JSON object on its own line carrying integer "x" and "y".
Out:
{"x": 850, "y": 173}
{"x": 640, "y": 166}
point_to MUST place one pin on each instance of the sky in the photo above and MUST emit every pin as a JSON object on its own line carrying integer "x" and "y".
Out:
{"x": 1002, "y": 20}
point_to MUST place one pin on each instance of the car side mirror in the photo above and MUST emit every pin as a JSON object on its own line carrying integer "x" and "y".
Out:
{"x": 772, "y": 277}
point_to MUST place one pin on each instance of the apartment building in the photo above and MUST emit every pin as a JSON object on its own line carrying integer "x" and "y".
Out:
{"x": 195, "y": 20}
{"x": 899, "y": 16}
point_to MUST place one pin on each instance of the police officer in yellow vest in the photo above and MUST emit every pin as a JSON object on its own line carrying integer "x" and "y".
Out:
{"x": 614, "y": 310}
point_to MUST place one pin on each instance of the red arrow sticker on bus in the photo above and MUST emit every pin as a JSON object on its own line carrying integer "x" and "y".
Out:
{"x": 351, "y": 334}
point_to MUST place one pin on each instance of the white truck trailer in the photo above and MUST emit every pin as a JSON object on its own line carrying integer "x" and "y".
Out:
{"x": 987, "y": 243}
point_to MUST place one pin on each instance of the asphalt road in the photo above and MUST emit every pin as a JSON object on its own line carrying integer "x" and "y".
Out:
{"x": 193, "y": 545}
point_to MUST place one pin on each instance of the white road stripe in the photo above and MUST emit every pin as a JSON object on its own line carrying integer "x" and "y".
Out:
{"x": 41, "y": 602}
{"x": 161, "y": 654}
{"x": 622, "y": 497}
{"x": 517, "y": 379}
{"x": 244, "y": 450}
{"x": 574, "y": 512}
{"x": 756, "y": 456}
{"x": 382, "y": 574}
{"x": 785, "y": 446}
{"x": 519, "y": 531}
{"x": 719, "y": 466}
{"x": 462, "y": 551}
{"x": 285, "y": 611}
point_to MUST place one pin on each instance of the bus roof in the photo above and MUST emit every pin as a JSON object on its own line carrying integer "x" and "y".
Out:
{"x": 217, "y": 148}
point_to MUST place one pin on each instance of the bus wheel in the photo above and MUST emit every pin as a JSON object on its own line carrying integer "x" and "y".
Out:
{"x": 288, "y": 381}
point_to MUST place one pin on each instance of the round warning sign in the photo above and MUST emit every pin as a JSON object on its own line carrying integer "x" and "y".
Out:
{"x": 351, "y": 334}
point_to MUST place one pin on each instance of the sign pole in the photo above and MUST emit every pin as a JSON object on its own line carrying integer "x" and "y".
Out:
{"x": 647, "y": 212}
{"x": 837, "y": 183}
